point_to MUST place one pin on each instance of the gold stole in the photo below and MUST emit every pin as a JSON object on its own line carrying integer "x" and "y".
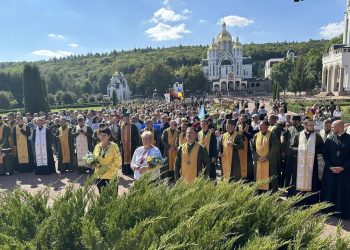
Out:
{"x": 262, "y": 149}
{"x": 305, "y": 164}
{"x": 63, "y": 135}
{"x": 272, "y": 128}
{"x": 1, "y": 132}
{"x": 12, "y": 144}
{"x": 22, "y": 147}
{"x": 227, "y": 154}
{"x": 189, "y": 162}
{"x": 243, "y": 153}
{"x": 126, "y": 141}
{"x": 171, "y": 142}
{"x": 204, "y": 139}
{"x": 182, "y": 138}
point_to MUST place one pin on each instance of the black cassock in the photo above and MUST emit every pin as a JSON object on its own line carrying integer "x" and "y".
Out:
{"x": 50, "y": 167}
{"x": 336, "y": 187}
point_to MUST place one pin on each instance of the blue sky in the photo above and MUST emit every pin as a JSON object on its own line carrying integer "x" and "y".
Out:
{"x": 40, "y": 29}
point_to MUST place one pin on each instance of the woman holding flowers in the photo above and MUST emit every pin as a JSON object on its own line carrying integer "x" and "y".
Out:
{"x": 145, "y": 156}
{"x": 107, "y": 159}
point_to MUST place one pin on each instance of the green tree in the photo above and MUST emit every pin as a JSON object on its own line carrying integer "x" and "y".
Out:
{"x": 34, "y": 90}
{"x": 69, "y": 97}
{"x": 299, "y": 79}
{"x": 59, "y": 96}
{"x": 280, "y": 74}
{"x": 53, "y": 83}
{"x": 314, "y": 66}
{"x": 193, "y": 77}
{"x": 88, "y": 88}
{"x": 102, "y": 82}
{"x": 5, "y": 99}
{"x": 152, "y": 76}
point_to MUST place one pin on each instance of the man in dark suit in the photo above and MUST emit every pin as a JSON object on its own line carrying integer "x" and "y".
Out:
{"x": 336, "y": 175}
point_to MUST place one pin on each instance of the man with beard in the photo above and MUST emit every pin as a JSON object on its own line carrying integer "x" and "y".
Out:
{"x": 5, "y": 144}
{"x": 208, "y": 139}
{"x": 327, "y": 129}
{"x": 82, "y": 133}
{"x": 277, "y": 128}
{"x": 230, "y": 144}
{"x": 336, "y": 176}
{"x": 23, "y": 148}
{"x": 11, "y": 157}
{"x": 42, "y": 137}
{"x": 128, "y": 140}
{"x": 164, "y": 125}
{"x": 191, "y": 158}
{"x": 304, "y": 164}
{"x": 245, "y": 154}
{"x": 65, "y": 147}
{"x": 182, "y": 136}
{"x": 287, "y": 139}
{"x": 264, "y": 145}
{"x": 169, "y": 139}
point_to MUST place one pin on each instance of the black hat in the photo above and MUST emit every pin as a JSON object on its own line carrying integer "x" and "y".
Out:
{"x": 126, "y": 114}
{"x": 231, "y": 122}
{"x": 296, "y": 118}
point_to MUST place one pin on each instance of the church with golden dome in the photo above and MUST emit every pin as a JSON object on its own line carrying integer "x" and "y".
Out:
{"x": 224, "y": 66}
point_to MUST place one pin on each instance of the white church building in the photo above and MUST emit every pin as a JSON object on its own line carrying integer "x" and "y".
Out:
{"x": 224, "y": 66}
{"x": 120, "y": 86}
{"x": 336, "y": 63}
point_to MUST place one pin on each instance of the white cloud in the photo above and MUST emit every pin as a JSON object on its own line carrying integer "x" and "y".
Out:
{"x": 166, "y": 15}
{"x": 187, "y": 11}
{"x": 203, "y": 21}
{"x": 237, "y": 21}
{"x": 332, "y": 30}
{"x": 166, "y": 2}
{"x": 51, "y": 53}
{"x": 56, "y": 36}
{"x": 164, "y": 32}
{"x": 73, "y": 45}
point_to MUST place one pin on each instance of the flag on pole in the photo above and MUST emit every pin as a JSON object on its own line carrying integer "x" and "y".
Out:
{"x": 201, "y": 114}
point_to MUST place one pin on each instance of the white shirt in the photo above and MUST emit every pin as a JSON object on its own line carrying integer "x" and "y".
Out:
{"x": 139, "y": 159}
{"x": 281, "y": 117}
{"x": 336, "y": 113}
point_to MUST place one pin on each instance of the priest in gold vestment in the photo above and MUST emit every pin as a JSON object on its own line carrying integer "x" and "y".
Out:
{"x": 24, "y": 151}
{"x": 169, "y": 139}
{"x": 192, "y": 158}
{"x": 66, "y": 158}
{"x": 264, "y": 155}
{"x": 128, "y": 140}
{"x": 231, "y": 142}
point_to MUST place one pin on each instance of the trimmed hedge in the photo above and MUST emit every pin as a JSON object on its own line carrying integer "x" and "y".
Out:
{"x": 153, "y": 215}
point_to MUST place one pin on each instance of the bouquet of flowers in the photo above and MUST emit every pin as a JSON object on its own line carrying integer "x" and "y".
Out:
{"x": 154, "y": 162}
{"x": 90, "y": 160}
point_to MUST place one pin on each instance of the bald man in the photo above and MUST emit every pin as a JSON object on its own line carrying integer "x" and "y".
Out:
{"x": 336, "y": 175}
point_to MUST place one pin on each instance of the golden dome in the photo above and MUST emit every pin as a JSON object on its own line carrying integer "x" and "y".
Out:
{"x": 224, "y": 35}
{"x": 237, "y": 44}
{"x": 212, "y": 45}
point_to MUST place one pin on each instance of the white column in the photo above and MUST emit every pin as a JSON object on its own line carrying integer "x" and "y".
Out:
{"x": 341, "y": 79}
{"x": 329, "y": 81}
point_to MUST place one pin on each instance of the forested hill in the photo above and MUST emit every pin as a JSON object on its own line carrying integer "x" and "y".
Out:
{"x": 81, "y": 74}
{"x": 90, "y": 66}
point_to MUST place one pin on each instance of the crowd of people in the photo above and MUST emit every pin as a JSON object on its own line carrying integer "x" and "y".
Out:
{"x": 272, "y": 147}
